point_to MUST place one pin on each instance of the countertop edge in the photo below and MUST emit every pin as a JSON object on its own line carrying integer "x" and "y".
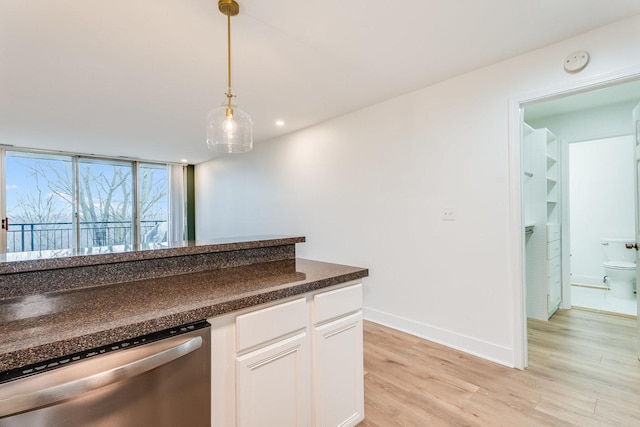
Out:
{"x": 15, "y": 359}
{"x": 181, "y": 249}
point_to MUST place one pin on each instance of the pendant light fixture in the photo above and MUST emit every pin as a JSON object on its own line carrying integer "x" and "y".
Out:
{"x": 229, "y": 128}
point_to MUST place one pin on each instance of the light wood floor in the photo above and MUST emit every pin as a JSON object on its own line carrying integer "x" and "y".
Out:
{"x": 583, "y": 370}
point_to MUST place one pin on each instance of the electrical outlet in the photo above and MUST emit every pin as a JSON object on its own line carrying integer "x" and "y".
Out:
{"x": 449, "y": 214}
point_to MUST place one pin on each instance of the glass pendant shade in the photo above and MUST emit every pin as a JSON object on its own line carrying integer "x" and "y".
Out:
{"x": 229, "y": 130}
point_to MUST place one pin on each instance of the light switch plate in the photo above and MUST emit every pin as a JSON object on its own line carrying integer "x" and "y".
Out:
{"x": 449, "y": 214}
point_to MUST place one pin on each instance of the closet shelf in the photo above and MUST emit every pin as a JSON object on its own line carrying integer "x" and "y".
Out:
{"x": 542, "y": 206}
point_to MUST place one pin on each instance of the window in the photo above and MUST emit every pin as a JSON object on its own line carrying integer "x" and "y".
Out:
{"x": 154, "y": 203}
{"x": 39, "y": 202}
{"x": 105, "y": 203}
{"x": 67, "y": 201}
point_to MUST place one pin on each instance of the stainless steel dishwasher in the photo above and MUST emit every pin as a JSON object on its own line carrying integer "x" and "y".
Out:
{"x": 160, "y": 379}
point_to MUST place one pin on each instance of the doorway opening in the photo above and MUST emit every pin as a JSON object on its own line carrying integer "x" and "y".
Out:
{"x": 590, "y": 195}
{"x": 601, "y": 87}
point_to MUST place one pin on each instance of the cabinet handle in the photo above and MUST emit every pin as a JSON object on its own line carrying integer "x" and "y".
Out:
{"x": 631, "y": 246}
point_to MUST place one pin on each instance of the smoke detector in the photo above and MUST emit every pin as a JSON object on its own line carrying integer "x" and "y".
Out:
{"x": 576, "y": 61}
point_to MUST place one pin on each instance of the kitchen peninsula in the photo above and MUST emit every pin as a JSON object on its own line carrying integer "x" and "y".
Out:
{"x": 253, "y": 290}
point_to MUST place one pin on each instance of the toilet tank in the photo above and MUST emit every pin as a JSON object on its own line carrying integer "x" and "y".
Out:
{"x": 614, "y": 249}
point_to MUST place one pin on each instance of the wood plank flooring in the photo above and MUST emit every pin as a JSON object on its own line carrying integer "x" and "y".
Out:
{"x": 583, "y": 371}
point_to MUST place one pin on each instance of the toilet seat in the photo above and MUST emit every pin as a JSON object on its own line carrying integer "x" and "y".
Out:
{"x": 620, "y": 265}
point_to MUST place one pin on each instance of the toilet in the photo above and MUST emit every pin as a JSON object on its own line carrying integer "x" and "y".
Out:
{"x": 620, "y": 266}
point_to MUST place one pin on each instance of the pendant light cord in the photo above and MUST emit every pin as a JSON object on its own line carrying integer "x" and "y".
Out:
{"x": 229, "y": 95}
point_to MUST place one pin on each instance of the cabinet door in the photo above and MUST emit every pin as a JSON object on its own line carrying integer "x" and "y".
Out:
{"x": 555, "y": 293}
{"x": 274, "y": 384}
{"x": 338, "y": 372}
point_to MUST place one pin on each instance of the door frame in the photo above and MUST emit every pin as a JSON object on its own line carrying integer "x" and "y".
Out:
{"x": 636, "y": 179}
{"x": 516, "y": 171}
{"x": 3, "y": 206}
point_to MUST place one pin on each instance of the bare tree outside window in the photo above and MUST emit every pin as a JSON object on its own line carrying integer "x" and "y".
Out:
{"x": 105, "y": 210}
{"x": 154, "y": 203}
{"x": 40, "y": 213}
{"x": 41, "y": 200}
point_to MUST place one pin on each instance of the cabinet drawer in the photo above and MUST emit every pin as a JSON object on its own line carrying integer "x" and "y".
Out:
{"x": 553, "y": 232}
{"x": 555, "y": 281}
{"x": 553, "y": 266}
{"x": 270, "y": 323}
{"x": 553, "y": 249}
{"x": 332, "y": 304}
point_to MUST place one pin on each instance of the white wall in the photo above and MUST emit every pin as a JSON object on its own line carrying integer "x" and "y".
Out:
{"x": 368, "y": 189}
{"x": 595, "y": 168}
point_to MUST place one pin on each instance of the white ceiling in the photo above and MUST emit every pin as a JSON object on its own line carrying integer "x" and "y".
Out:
{"x": 137, "y": 77}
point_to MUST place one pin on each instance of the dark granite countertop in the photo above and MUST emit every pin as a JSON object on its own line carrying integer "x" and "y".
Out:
{"x": 20, "y": 262}
{"x": 35, "y": 328}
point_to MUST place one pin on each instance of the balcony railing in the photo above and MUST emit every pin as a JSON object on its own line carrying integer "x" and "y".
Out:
{"x": 41, "y": 236}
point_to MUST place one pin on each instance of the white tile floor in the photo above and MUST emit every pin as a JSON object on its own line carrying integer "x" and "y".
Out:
{"x": 599, "y": 299}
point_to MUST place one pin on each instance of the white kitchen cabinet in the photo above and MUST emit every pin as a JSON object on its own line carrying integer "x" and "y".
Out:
{"x": 291, "y": 363}
{"x": 272, "y": 366}
{"x": 337, "y": 357}
{"x": 273, "y": 384}
{"x": 338, "y": 372}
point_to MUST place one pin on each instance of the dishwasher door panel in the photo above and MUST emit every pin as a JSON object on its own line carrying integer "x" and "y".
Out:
{"x": 165, "y": 383}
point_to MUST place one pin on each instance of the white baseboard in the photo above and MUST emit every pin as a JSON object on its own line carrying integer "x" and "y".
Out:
{"x": 486, "y": 350}
{"x": 588, "y": 280}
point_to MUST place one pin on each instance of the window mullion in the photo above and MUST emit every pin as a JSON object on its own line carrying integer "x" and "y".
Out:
{"x": 136, "y": 203}
{"x": 76, "y": 201}
{"x": 3, "y": 205}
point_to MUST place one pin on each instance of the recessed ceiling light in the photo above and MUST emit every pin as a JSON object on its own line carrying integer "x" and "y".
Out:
{"x": 279, "y": 122}
{"x": 183, "y": 160}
